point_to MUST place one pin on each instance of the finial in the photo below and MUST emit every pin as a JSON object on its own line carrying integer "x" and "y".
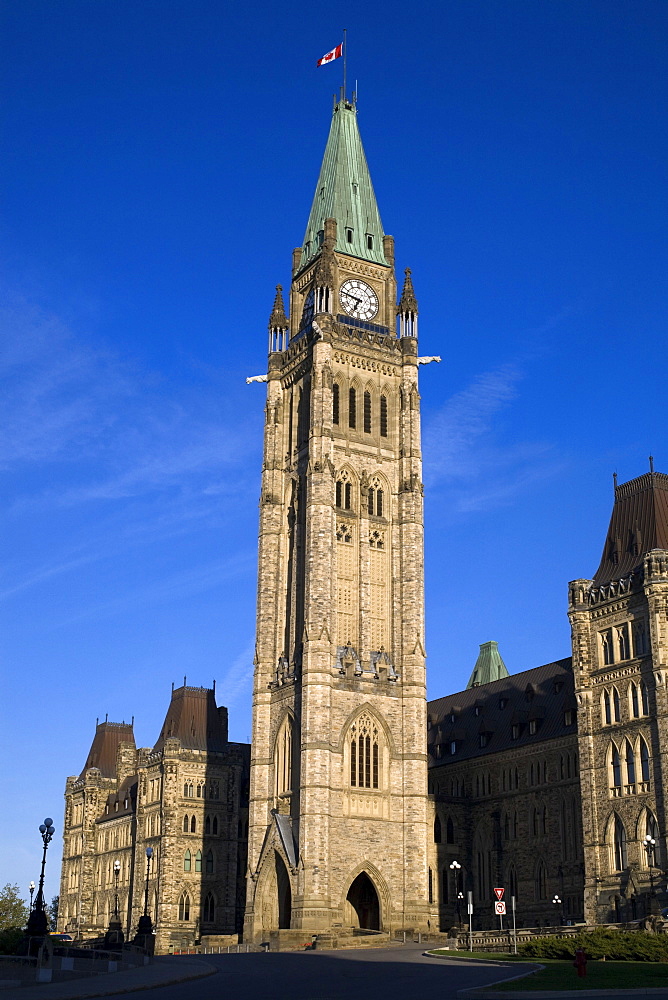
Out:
{"x": 172, "y": 687}
{"x": 184, "y": 680}
{"x": 133, "y": 721}
{"x": 651, "y": 464}
{"x": 214, "y": 685}
{"x": 408, "y": 302}
{"x": 278, "y": 319}
{"x": 106, "y": 718}
{"x": 614, "y": 480}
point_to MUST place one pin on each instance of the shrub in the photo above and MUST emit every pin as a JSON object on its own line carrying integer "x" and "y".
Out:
{"x": 618, "y": 946}
{"x": 10, "y": 938}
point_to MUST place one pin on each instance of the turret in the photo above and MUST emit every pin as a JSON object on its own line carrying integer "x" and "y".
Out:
{"x": 407, "y": 308}
{"x": 278, "y": 324}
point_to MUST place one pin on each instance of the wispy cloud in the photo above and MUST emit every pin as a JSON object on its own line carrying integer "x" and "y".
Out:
{"x": 466, "y": 456}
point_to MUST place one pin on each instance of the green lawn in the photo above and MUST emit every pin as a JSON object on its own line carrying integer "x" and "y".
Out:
{"x": 559, "y": 975}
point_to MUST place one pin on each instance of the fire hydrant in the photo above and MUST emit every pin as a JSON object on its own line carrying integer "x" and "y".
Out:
{"x": 580, "y": 962}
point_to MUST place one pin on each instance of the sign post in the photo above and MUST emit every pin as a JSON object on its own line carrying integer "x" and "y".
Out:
{"x": 500, "y": 906}
{"x": 512, "y": 905}
{"x": 469, "y": 907}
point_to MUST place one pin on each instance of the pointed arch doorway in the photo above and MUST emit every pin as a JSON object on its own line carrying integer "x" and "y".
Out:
{"x": 362, "y": 904}
{"x": 284, "y": 894}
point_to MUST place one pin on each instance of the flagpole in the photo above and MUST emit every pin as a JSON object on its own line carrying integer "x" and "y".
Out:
{"x": 345, "y": 58}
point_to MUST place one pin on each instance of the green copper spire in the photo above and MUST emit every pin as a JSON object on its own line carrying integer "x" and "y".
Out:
{"x": 345, "y": 193}
{"x": 488, "y": 667}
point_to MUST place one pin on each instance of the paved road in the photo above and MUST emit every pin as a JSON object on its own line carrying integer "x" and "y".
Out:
{"x": 400, "y": 973}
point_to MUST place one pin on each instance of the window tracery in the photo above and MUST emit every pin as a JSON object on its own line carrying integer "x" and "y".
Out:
{"x": 364, "y": 753}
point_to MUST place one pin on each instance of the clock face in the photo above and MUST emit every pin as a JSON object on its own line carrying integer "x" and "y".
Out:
{"x": 358, "y": 299}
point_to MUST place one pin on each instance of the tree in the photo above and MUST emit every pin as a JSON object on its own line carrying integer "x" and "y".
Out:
{"x": 13, "y": 909}
{"x": 53, "y": 913}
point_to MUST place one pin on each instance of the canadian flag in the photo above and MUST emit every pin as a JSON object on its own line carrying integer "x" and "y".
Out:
{"x": 330, "y": 56}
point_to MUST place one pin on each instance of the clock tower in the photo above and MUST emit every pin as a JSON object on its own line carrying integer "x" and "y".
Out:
{"x": 339, "y": 809}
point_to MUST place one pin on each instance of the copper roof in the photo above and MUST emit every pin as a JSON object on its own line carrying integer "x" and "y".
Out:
{"x": 102, "y": 754}
{"x": 639, "y": 523}
{"x": 195, "y": 720}
{"x": 502, "y": 711}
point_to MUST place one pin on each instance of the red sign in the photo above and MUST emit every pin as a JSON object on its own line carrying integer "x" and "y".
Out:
{"x": 500, "y": 909}
{"x": 499, "y": 893}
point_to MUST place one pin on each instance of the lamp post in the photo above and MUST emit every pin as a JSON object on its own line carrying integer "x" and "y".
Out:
{"x": 31, "y": 888}
{"x": 145, "y": 926}
{"x": 37, "y": 922}
{"x": 114, "y": 937}
{"x": 557, "y": 902}
{"x": 649, "y": 843}
{"x": 117, "y": 872}
{"x": 455, "y": 868}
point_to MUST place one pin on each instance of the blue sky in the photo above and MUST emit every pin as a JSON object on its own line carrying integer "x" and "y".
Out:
{"x": 158, "y": 163}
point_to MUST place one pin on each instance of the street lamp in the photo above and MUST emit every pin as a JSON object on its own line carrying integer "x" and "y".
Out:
{"x": 557, "y": 902}
{"x": 455, "y": 868}
{"x": 649, "y": 843}
{"x": 114, "y": 937}
{"x": 31, "y": 887}
{"x": 145, "y": 926}
{"x": 37, "y": 922}
{"x": 117, "y": 872}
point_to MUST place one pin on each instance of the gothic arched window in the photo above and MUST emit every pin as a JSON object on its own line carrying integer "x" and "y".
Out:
{"x": 283, "y": 758}
{"x": 364, "y": 753}
{"x": 614, "y": 767}
{"x": 635, "y": 705}
{"x": 209, "y": 909}
{"x": 214, "y": 825}
{"x": 541, "y": 881}
{"x": 607, "y": 714}
{"x": 630, "y": 765}
{"x": 193, "y": 825}
{"x": 187, "y": 861}
{"x": 335, "y": 403}
{"x": 449, "y": 831}
{"x": 198, "y": 861}
{"x": 644, "y": 760}
{"x": 186, "y": 823}
{"x": 437, "y": 830}
{"x": 616, "y": 712}
{"x": 643, "y": 698}
{"x": 619, "y": 845}
{"x": 383, "y": 416}
{"x": 207, "y": 825}
{"x": 209, "y": 863}
{"x": 352, "y": 408}
{"x": 184, "y": 907}
{"x": 367, "y": 412}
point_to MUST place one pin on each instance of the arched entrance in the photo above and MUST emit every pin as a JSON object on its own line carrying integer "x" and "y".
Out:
{"x": 284, "y": 894}
{"x": 364, "y": 906}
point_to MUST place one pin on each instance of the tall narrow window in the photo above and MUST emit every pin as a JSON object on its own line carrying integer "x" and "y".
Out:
{"x": 367, "y": 412}
{"x": 437, "y": 830}
{"x": 623, "y": 642}
{"x": 616, "y": 768}
{"x": 364, "y": 753}
{"x": 541, "y": 881}
{"x": 606, "y": 647}
{"x": 214, "y": 825}
{"x": 186, "y": 824}
{"x": 635, "y": 707}
{"x": 616, "y": 713}
{"x": 643, "y": 698}
{"x": 339, "y": 493}
{"x": 383, "y": 416}
{"x": 335, "y": 404}
{"x": 449, "y": 832}
{"x": 619, "y": 852}
{"x": 209, "y": 911}
{"x": 379, "y": 503}
{"x": 431, "y": 886}
{"x": 352, "y": 408}
{"x": 207, "y": 825}
{"x": 630, "y": 765}
{"x": 184, "y": 907}
{"x": 372, "y": 501}
{"x": 198, "y": 861}
{"x": 187, "y": 861}
{"x": 347, "y": 498}
{"x": 644, "y": 760}
{"x": 283, "y": 759}
{"x": 607, "y": 714}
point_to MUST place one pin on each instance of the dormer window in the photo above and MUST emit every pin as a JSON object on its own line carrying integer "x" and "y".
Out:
{"x": 477, "y": 710}
{"x": 502, "y": 703}
{"x": 568, "y": 717}
{"x": 483, "y": 739}
{"x": 349, "y": 235}
{"x": 533, "y": 726}
{"x": 369, "y": 241}
{"x": 452, "y": 716}
{"x": 307, "y": 248}
{"x": 321, "y": 237}
{"x": 515, "y": 731}
{"x": 453, "y": 747}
